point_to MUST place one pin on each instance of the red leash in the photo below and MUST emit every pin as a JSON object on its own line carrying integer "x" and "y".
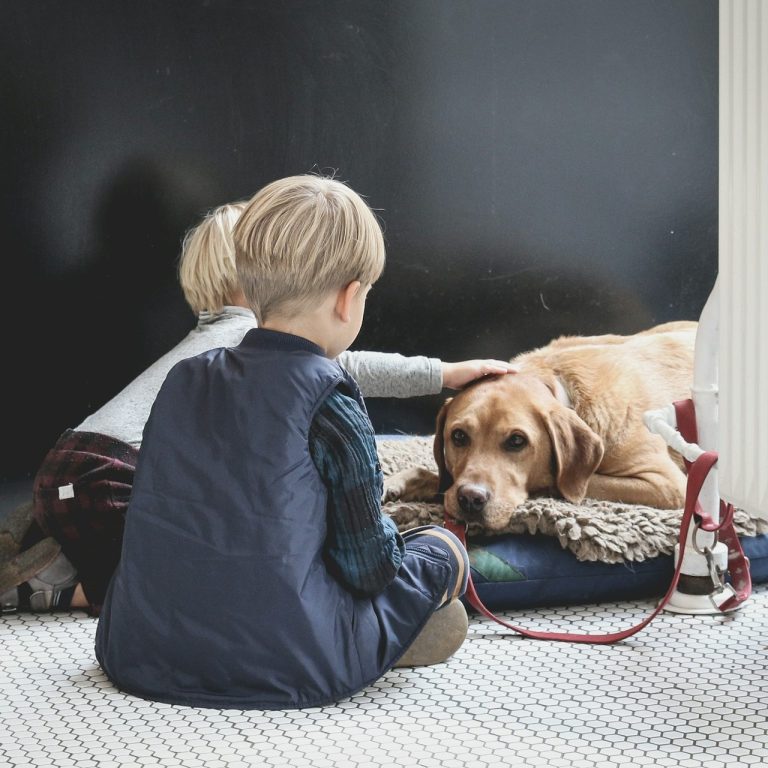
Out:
{"x": 738, "y": 563}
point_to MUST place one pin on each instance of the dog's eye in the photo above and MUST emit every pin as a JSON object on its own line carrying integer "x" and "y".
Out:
{"x": 459, "y": 437}
{"x": 515, "y": 442}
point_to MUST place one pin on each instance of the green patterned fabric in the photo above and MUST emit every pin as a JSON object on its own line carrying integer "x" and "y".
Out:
{"x": 491, "y": 567}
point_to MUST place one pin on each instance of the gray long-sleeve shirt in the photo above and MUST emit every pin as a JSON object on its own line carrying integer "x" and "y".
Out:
{"x": 379, "y": 374}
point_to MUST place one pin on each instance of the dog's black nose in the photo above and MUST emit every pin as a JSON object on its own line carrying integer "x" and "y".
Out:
{"x": 472, "y": 498}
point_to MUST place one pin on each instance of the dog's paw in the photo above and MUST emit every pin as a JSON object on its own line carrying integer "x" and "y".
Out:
{"x": 413, "y": 484}
{"x": 406, "y": 515}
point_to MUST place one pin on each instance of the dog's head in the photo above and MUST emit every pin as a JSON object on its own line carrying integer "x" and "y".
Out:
{"x": 505, "y": 438}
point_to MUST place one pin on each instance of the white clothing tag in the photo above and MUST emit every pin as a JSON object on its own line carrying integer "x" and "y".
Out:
{"x": 67, "y": 491}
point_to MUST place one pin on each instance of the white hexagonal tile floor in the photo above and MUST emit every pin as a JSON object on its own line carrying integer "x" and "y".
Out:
{"x": 688, "y": 691}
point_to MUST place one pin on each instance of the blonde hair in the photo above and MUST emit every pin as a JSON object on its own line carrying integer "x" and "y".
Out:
{"x": 207, "y": 270}
{"x": 301, "y": 237}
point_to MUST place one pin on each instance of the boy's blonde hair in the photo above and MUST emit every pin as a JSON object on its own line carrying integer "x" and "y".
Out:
{"x": 207, "y": 270}
{"x": 301, "y": 237}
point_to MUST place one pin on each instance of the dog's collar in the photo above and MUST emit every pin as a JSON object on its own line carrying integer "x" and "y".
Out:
{"x": 561, "y": 393}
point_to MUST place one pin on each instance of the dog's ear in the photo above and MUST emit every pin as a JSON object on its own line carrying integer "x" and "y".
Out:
{"x": 578, "y": 452}
{"x": 445, "y": 479}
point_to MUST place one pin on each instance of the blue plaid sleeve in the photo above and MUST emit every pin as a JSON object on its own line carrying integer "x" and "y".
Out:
{"x": 363, "y": 547}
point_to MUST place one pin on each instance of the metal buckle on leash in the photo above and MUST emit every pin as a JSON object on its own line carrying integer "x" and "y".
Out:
{"x": 718, "y": 593}
{"x": 721, "y": 590}
{"x": 694, "y": 543}
{"x": 719, "y": 585}
{"x": 716, "y": 573}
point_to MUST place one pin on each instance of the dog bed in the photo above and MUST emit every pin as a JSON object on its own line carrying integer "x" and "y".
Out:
{"x": 556, "y": 553}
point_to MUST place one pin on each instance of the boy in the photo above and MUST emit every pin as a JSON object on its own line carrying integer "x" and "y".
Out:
{"x": 257, "y": 569}
{"x": 70, "y": 551}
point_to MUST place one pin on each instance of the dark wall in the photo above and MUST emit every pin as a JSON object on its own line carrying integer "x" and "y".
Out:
{"x": 541, "y": 166}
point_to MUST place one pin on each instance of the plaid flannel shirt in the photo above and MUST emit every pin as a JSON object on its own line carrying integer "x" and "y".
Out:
{"x": 363, "y": 547}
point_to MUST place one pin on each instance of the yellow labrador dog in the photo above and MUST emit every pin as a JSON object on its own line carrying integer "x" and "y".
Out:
{"x": 568, "y": 424}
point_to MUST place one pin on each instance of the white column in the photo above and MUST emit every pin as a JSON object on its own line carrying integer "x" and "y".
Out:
{"x": 743, "y": 261}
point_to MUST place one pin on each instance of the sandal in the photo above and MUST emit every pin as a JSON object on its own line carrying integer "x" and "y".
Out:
{"x": 39, "y": 578}
{"x": 38, "y": 589}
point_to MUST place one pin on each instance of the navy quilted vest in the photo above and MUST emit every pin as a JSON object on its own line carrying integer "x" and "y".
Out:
{"x": 221, "y": 598}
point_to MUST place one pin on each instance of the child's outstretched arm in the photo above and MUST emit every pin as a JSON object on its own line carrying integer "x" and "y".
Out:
{"x": 363, "y": 546}
{"x": 388, "y": 374}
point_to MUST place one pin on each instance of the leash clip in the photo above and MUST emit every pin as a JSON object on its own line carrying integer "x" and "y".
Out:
{"x": 721, "y": 591}
{"x": 705, "y": 551}
{"x": 715, "y": 572}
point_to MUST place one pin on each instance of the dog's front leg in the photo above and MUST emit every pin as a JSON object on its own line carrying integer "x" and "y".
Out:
{"x": 412, "y": 484}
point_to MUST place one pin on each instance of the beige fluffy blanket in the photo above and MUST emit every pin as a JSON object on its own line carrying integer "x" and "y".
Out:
{"x": 592, "y": 530}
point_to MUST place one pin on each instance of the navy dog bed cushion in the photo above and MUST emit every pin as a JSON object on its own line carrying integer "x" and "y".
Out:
{"x": 529, "y": 571}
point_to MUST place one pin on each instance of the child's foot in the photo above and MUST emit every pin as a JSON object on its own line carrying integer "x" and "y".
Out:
{"x": 49, "y": 588}
{"x": 38, "y": 578}
{"x": 442, "y": 635}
